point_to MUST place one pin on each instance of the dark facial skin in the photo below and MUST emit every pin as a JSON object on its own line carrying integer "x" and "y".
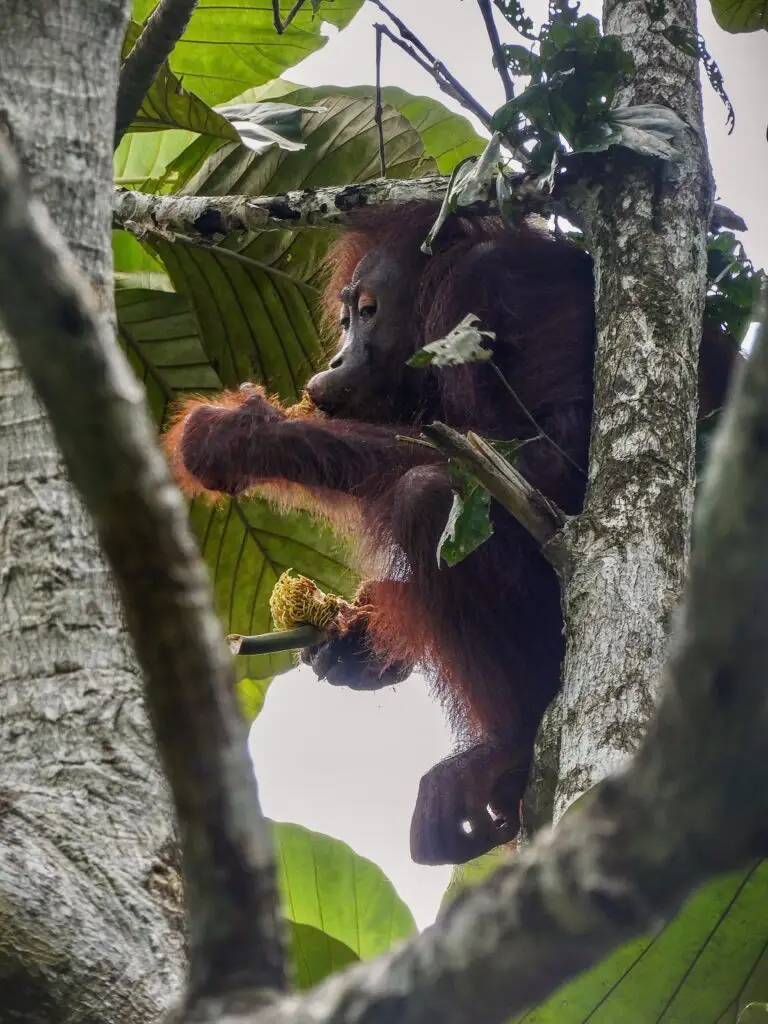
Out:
{"x": 369, "y": 369}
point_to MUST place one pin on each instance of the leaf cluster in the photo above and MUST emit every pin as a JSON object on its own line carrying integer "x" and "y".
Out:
{"x": 573, "y": 80}
{"x": 692, "y": 44}
{"x": 734, "y": 285}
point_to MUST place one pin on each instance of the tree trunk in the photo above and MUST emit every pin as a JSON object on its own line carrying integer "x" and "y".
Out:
{"x": 90, "y": 894}
{"x": 646, "y": 223}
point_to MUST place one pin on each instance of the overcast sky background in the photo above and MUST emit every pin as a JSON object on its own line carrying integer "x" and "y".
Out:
{"x": 348, "y": 764}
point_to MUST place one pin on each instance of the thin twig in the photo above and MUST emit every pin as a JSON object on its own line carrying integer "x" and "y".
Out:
{"x": 275, "y": 643}
{"x": 418, "y": 51}
{"x": 282, "y": 24}
{"x": 379, "y": 107}
{"x": 532, "y": 420}
{"x": 498, "y": 52}
{"x": 536, "y": 513}
{"x": 162, "y": 30}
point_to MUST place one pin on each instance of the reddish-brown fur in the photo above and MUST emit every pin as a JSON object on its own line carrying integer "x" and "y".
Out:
{"x": 490, "y": 628}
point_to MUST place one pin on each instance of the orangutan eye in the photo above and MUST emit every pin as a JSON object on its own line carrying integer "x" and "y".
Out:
{"x": 366, "y": 304}
{"x": 344, "y": 322}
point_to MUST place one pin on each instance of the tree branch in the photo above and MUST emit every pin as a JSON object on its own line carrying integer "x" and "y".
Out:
{"x": 416, "y": 50}
{"x": 163, "y": 29}
{"x": 280, "y": 24}
{"x": 100, "y": 419}
{"x": 498, "y": 52}
{"x": 504, "y": 483}
{"x": 207, "y": 218}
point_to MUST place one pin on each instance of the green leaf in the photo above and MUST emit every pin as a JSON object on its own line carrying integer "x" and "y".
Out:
{"x": 734, "y": 285}
{"x": 464, "y": 344}
{"x": 327, "y": 886}
{"x": 130, "y": 256}
{"x": 251, "y": 694}
{"x": 246, "y": 544}
{"x": 469, "y": 523}
{"x": 448, "y": 138}
{"x": 168, "y": 104}
{"x": 707, "y": 964}
{"x": 740, "y": 15}
{"x": 465, "y": 876}
{"x": 315, "y": 954}
{"x": 754, "y": 1013}
{"x": 521, "y": 60}
{"x": 142, "y": 159}
{"x": 231, "y": 45}
{"x": 159, "y": 334}
{"x": 515, "y": 14}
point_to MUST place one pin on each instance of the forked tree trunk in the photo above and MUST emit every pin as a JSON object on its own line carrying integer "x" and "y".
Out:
{"x": 90, "y": 913}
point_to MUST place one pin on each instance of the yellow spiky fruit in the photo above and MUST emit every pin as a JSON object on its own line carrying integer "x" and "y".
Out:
{"x": 296, "y": 600}
{"x": 303, "y": 408}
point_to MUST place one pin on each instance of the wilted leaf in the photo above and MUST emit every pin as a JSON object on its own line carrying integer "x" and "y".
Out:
{"x": 468, "y": 526}
{"x": 464, "y": 344}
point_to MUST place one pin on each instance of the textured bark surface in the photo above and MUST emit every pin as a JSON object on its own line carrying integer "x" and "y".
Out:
{"x": 646, "y": 224}
{"x": 90, "y": 922}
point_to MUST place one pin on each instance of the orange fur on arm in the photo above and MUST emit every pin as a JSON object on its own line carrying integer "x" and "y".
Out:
{"x": 226, "y": 401}
{"x": 178, "y": 416}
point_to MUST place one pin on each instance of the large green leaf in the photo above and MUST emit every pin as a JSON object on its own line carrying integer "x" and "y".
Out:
{"x": 142, "y": 159}
{"x": 315, "y": 954}
{"x": 232, "y": 45}
{"x": 741, "y": 15}
{"x": 705, "y": 966}
{"x": 326, "y": 885}
{"x": 168, "y": 104}
{"x": 246, "y": 544}
{"x": 448, "y": 138}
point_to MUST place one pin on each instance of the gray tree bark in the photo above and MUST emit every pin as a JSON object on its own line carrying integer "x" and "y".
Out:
{"x": 646, "y": 224}
{"x": 91, "y": 923}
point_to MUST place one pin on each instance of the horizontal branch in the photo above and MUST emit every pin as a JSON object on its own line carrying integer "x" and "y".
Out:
{"x": 537, "y": 514}
{"x": 211, "y": 218}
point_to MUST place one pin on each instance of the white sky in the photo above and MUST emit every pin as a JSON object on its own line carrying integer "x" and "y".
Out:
{"x": 348, "y": 764}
